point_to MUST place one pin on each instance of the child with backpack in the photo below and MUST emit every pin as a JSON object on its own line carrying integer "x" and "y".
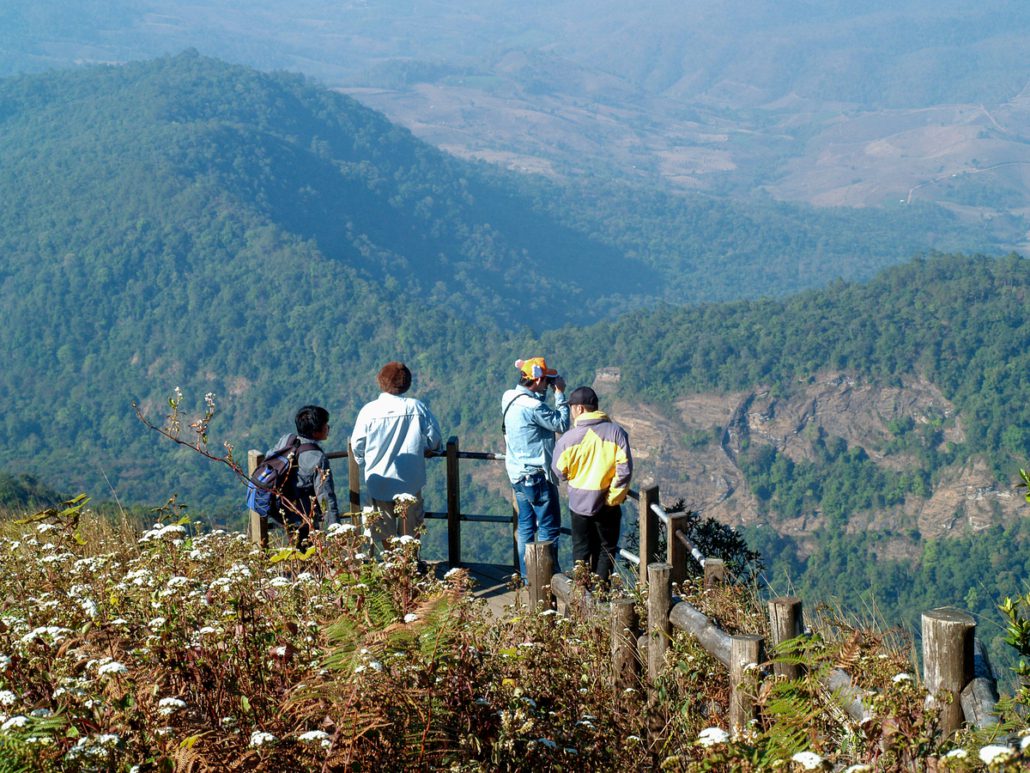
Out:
{"x": 294, "y": 485}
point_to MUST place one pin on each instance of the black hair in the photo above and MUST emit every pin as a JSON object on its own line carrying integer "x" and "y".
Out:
{"x": 310, "y": 419}
{"x": 526, "y": 381}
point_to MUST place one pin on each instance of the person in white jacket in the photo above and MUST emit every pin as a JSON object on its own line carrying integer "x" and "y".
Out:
{"x": 391, "y": 436}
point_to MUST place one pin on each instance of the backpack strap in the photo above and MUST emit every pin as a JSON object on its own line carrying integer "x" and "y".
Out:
{"x": 504, "y": 415}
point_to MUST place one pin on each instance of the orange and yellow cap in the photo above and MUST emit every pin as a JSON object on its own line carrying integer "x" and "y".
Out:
{"x": 535, "y": 368}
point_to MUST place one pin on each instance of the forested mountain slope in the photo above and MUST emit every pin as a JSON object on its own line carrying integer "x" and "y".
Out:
{"x": 183, "y": 222}
{"x": 867, "y": 437}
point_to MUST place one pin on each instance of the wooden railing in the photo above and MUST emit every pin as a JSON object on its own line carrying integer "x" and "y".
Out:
{"x": 453, "y": 514}
{"x": 954, "y": 661}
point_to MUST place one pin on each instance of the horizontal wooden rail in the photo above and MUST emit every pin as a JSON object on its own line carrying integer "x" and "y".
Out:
{"x": 954, "y": 661}
{"x": 472, "y": 518}
{"x": 484, "y": 455}
{"x": 634, "y": 559}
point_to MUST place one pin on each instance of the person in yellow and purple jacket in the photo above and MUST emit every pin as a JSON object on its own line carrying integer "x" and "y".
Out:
{"x": 594, "y": 457}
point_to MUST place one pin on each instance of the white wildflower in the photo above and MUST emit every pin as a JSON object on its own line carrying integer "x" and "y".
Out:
{"x": 808, "y": 760}
{"x": 159, "y": 532}
{"x": 260, "y": 738}
{"x": 14, "y": 723}
{"x": 411, "y": 617}
{"x": 280, "y": 582}
{"x": 316, "y": 736}
{"x": 7, "y": 698}
{"x": 52, "y": 632}
{"x": 168, "y": 706}
{"x": 994, "y": 753}
{"x": 898, "y": 678}
{"x": 1025, "y": 742}
{"x": 957, "y": 754}
{"x": 451, "y": 572}
{"x": 860, "y": 768}
{"x": 157, "y": 623}
{"x": 114, "y": 667}
{"x": 711, "y": 736}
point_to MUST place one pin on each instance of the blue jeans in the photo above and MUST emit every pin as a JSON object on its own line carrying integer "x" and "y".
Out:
{"x": 539, "y": 515}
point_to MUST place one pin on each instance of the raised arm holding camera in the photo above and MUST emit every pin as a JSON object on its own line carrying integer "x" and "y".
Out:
{"x": 529, "y": 424}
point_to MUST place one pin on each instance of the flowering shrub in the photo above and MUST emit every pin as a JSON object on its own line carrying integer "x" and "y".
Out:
{"x": 175, "y": 648}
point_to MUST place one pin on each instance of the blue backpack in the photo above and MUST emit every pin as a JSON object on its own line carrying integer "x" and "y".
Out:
{"x": 275, "y": 478}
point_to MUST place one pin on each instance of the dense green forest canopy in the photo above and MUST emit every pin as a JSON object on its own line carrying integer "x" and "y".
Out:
{"x": 183, "y": 222}
{"x": 962, "y": 322}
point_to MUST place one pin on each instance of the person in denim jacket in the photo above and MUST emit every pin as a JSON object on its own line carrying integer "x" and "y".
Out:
{"x": 529, "y": 424}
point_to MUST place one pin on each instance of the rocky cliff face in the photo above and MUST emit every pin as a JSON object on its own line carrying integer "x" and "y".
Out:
{"x": 693, "y": 451}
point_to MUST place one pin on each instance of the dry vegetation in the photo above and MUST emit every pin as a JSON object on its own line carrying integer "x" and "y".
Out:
{"x": 178, "y": 649}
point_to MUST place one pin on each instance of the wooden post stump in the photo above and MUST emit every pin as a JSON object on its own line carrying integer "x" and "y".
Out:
{"x": 715, "y": 572}
{"x": 453, "y": 504}
{"x": 353, "y": 480}
{"x": 258, "y": 528}
{"x": 540, "y": 568}
{"x": 745, "y": 655}
{"x": 675, "y": 550}
{"x": 648, "y": 525}
{"x": 624, "y": 644}
{"x": 948, "y": 647}
{"x": 515, "y": 532}
{"x": 785, "y": 623}
{"x": 659, "y": 603}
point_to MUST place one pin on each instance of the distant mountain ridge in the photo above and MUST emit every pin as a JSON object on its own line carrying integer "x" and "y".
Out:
{"x": 188, "y": 222}
{"x": 184, "y": 222}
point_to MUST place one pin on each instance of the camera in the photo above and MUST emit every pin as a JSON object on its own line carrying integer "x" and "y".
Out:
{"x": 552, "y": 379}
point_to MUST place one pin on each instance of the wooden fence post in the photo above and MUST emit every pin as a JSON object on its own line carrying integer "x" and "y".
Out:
{"x": 659, "y": 604}
{"x": 675, "y": 550}
{"x": 453, "y": 504}
{"x": 785, "y": 623}
{"x": 540, "y": 568}
{"x": 948, "y": 636}
{"x": 258, "y": 526}
{"x": 354, "y": 481}
{"x": 624, "y": 644}
{"x": 515, "y": 532}
{"x": 648, "y": 524}
{"x": 745, "y": 655}
{"x": 715, "y": 572}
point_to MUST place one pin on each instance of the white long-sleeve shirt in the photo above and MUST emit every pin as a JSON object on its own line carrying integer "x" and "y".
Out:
{"x": 390, "y": 438}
